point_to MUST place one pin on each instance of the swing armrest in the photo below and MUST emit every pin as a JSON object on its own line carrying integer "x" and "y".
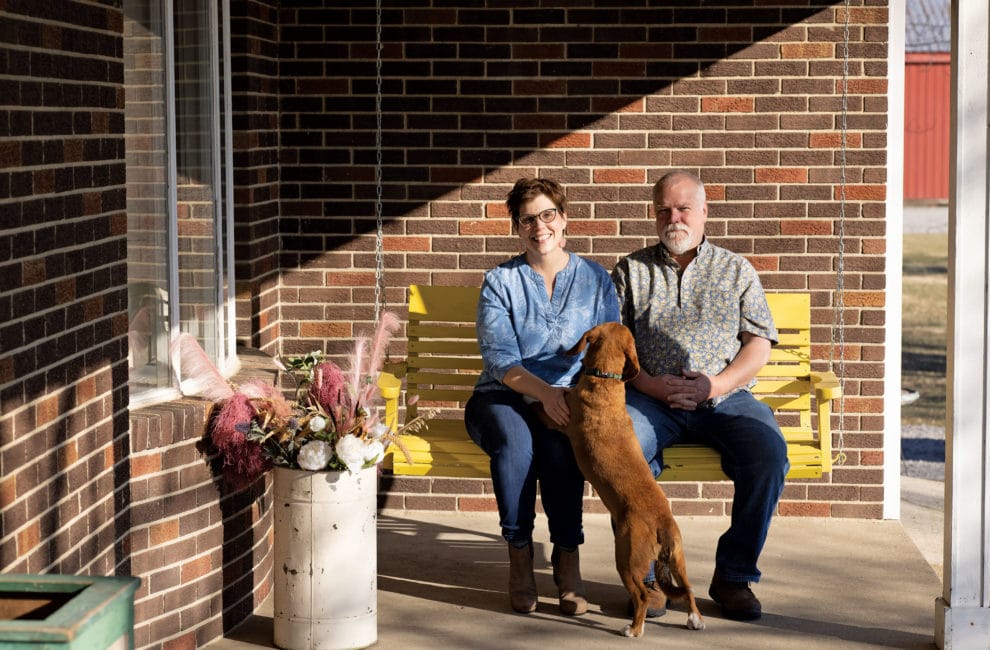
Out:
{"x": 827, "y": 388}
{"x": 395, "y": 368}
{"x": 390, "y": 387}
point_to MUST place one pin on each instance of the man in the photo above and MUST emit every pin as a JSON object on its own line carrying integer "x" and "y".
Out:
{"x": 703, "y": 330}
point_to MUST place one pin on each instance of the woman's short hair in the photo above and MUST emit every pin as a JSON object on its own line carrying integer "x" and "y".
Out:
{"x": 527, "y": 189}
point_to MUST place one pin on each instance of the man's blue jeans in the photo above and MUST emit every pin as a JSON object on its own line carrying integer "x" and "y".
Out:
{"x": 522, "y": 451}
{"x": 754, "y": 455}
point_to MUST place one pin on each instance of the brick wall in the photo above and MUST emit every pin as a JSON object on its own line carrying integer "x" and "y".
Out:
{"x": 86, "y": 486}
{"x": 254, "y": 35}
{"x": 747, "y": 95}
{"x": 64, "y": 457}
{"x": 603, "y": 100}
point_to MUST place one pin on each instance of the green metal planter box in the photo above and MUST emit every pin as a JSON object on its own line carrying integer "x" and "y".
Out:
{"x": 66, "y": 612}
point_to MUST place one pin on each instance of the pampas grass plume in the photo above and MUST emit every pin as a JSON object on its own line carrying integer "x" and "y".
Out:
{"x": 388, "y": 325}
{"x": 203, "y": 378}
{"x": 328, "y": 386}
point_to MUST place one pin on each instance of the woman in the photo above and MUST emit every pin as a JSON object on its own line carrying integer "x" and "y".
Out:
{"x": 532, "y": 309}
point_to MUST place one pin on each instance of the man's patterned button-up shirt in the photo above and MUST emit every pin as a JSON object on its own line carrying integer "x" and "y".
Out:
{"x": 691, "y": 320}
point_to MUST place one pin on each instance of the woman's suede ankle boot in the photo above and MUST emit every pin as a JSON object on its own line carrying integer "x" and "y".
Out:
{"x": 522, "y": 584}
{"x": 567, "y": 576}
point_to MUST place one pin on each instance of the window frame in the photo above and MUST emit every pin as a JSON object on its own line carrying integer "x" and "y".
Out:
{"x": 222, "y": 193}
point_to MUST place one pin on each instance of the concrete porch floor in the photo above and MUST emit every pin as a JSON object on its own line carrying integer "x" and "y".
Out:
{"x": 827, "y": 583}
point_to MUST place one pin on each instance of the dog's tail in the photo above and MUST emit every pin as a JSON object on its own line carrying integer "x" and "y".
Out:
{"x": 670, "y": 572}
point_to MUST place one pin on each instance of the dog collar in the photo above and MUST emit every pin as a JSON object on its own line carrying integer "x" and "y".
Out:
{"x": 595, "y": 372}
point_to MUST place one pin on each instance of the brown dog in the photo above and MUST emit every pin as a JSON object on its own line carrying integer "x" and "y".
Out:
{"x": 606, "y": 449}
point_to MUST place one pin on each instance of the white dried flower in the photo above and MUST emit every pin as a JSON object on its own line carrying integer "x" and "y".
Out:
{"x": 314, "y": 455}
{"x": 374, "y": 453}
{"x": 317, "y": 423}
{"x": 377, "y": 431}
{"x": 350, "y": 451}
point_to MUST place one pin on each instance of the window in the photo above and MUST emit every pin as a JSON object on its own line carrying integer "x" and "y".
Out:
{"x": 179, "y": 262}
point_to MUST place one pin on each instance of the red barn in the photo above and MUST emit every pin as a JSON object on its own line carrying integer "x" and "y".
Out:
{"x": 926, "y": 102}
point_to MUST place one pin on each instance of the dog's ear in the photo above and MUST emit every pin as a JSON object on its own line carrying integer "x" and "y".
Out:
{"x": 581, "y": 344}
{"x": 631, "y": 368}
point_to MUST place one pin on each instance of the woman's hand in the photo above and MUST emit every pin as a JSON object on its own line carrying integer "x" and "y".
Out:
{"x": 554, "y": 403}
{"x": 552, "y": 398}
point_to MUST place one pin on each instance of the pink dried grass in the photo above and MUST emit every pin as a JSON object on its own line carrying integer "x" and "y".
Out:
{"x": 243, "y": 460}
{"x": 328, "y": 385}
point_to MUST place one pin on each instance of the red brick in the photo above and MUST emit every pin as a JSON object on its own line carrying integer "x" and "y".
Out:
{"x": 803, "y": 509}
{"x": 871, "y": 458}
{"x": 47, "y": 409}
{"x": 196, "y": 569}
{"x": 184, "y": 642}
{"x": 593, "y": 227}
{"x": 566, "y": 141}
{"x": 809, "y": 227}
{"x": 8, "y": 491}
{"x": 477, "y": 504}
{"x": 28, "y": 538}
{"x": 727, "y": 104}
{"x": 864, "y": 86}
{"x": 325, "y": 330}
{"x": 862, "y": 15}
{"x": 864, "y": 298}
{"x": 807, "y": 50}
{"x": 349, "y": 279}
{"x": 764, "y": 263}
{"x": 142, "y": 465}
{"x": 406, "y": 243}
{"x": 781, "y": 175}
{"x": 163, "y": 531}
{"x": 493, "y": 227}
{"x": 637, "y": 176}
{"x": 833, "y": 140}
{"x": 715, "y": 192}
{"x": 874, "y": 246}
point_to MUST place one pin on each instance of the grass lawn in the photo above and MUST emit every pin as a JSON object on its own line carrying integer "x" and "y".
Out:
{"x": 923, "y": 326}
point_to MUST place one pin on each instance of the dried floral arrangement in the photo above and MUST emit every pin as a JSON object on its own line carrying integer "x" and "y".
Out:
{"x": 331, "y": 421}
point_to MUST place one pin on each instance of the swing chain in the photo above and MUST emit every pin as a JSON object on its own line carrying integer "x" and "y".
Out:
{"x": 838, "y": 310}
{"x": 379, "y": 218}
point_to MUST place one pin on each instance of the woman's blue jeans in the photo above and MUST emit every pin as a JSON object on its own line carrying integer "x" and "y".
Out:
{"x": 524, "y": 451}
{"x": 754, "y": 455}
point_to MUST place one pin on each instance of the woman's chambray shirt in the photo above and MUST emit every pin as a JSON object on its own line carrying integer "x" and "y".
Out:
{"x": 519, "y": 325}
{"x": 691, "y": 322}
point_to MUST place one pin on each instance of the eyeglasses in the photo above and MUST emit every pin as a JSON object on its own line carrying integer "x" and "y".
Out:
{"x": 548, "y": 215}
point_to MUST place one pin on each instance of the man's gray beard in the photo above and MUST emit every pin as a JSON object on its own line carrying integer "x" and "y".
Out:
{"x": 678, "y": 248}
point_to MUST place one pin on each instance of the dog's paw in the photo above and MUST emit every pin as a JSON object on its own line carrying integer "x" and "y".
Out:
{"x": 630, "y": 631}
{"x": 694, "y": 622}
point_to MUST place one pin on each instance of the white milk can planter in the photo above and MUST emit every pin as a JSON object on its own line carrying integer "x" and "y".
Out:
{"x": 326, "y": 559}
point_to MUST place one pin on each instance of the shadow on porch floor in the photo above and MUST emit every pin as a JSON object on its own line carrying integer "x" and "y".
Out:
{"x": 827, "y": 583}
